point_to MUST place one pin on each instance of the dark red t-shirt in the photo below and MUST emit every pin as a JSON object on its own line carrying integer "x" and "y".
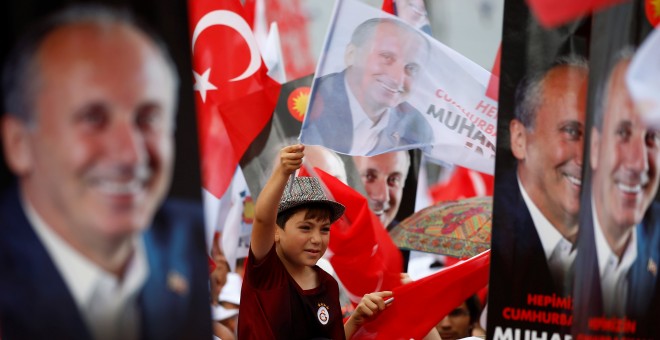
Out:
{"x": 273, "y": 306}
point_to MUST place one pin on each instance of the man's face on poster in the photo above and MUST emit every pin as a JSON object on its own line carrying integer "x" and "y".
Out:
{"x": 550, "y": 152}
{"x": 381, "y": 72}
{"x": 383, "y": 177}
{"x": 624, "y": 157}
{"x": 102, "y": 147}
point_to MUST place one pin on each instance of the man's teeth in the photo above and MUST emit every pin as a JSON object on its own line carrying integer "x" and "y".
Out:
{"x": 114, "y": 187}
{"x": 574, "y": 180}
{"x": 629, "y": 189}
{"x": 390, "y": 88}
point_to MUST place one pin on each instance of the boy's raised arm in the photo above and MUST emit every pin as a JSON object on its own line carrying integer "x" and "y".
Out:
{"x": 265, "y": 211}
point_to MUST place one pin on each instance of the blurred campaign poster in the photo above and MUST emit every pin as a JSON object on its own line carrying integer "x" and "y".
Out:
{"x": 382, "y": 85}
{"x": 643, "y": 78}
{"x": 576, "y": 240}
{"x": 538, "y": 176}
{"x": 616, "y": 291}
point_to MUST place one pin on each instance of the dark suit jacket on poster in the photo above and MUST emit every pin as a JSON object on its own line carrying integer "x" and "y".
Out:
{"x": 35, "y": 302}
{"x": 518, "y": 263}
{"x": 330, "y": 123}
{"x": 643, "y": 286}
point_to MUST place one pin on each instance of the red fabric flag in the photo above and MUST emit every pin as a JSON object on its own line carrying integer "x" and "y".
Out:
{"x": 493, "y": 89}
{"x": 249, "y": 7}
{"x": 388, "y": 6}
{"x": 463, "y": 183}
{"x": 419, "y": 306}
{"x": 652, "y": 10}
{"x": 552, "y": 13}
{"x": 234, "y": 96}
{"x": 363, "y": 254}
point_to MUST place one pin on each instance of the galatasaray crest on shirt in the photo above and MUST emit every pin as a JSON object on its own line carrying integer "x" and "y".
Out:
{"x": 322, "y": 314}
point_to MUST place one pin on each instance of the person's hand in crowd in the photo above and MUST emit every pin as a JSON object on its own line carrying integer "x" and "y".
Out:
{"x": 369, "y": 307}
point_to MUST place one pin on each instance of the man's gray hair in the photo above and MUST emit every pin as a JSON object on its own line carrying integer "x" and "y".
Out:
{"x": 364, "y": 32}
{"x": 529, "y": 93}
{"x": 20, "y": 74}
{"x": 602, "y": 92}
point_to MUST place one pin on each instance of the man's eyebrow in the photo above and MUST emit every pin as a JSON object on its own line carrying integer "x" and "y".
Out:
{"x": 624, "y": 123}
{"x": 570, "y": 122}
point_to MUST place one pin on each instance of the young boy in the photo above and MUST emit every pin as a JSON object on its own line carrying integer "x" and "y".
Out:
{"x": 285, "y": 295}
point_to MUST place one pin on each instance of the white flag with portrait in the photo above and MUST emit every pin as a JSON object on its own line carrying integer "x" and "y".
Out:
{"x": 382, "y": 85}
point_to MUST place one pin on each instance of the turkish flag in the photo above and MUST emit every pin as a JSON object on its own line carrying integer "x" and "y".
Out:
{"x": 249, "y": 8}
{"x": 235, "y": 98}
{"x": 422, "y": 304}
{"x": 362, "y": 252}
{"x": 552, "y": 13}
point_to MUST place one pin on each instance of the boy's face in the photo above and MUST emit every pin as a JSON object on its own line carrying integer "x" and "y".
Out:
{"x": 302, "y": 242}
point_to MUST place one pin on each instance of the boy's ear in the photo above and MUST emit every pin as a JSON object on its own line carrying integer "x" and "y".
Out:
{"x": 277, "y": 233}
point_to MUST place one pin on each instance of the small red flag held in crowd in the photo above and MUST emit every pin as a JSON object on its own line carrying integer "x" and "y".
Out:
{"x": 362, "y": 252}
{"x": 552, "y": 13}
{"x": 234, "y": 96}
{"x": 420, "y": 305}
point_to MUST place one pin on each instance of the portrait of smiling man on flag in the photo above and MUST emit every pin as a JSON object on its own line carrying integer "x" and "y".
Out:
{"x": 383, "y": 85}
{"x": 362, "y": 110}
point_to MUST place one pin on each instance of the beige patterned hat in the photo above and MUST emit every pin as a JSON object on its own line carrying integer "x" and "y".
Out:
{"x": 304, "y": 190}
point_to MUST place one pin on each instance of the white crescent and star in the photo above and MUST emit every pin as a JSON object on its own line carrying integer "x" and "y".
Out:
{"x": 235, "y": 21}
{"x": 202, "y": 83}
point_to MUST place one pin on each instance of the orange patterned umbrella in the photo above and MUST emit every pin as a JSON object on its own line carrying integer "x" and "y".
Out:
{"x": 458, "y": 228}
